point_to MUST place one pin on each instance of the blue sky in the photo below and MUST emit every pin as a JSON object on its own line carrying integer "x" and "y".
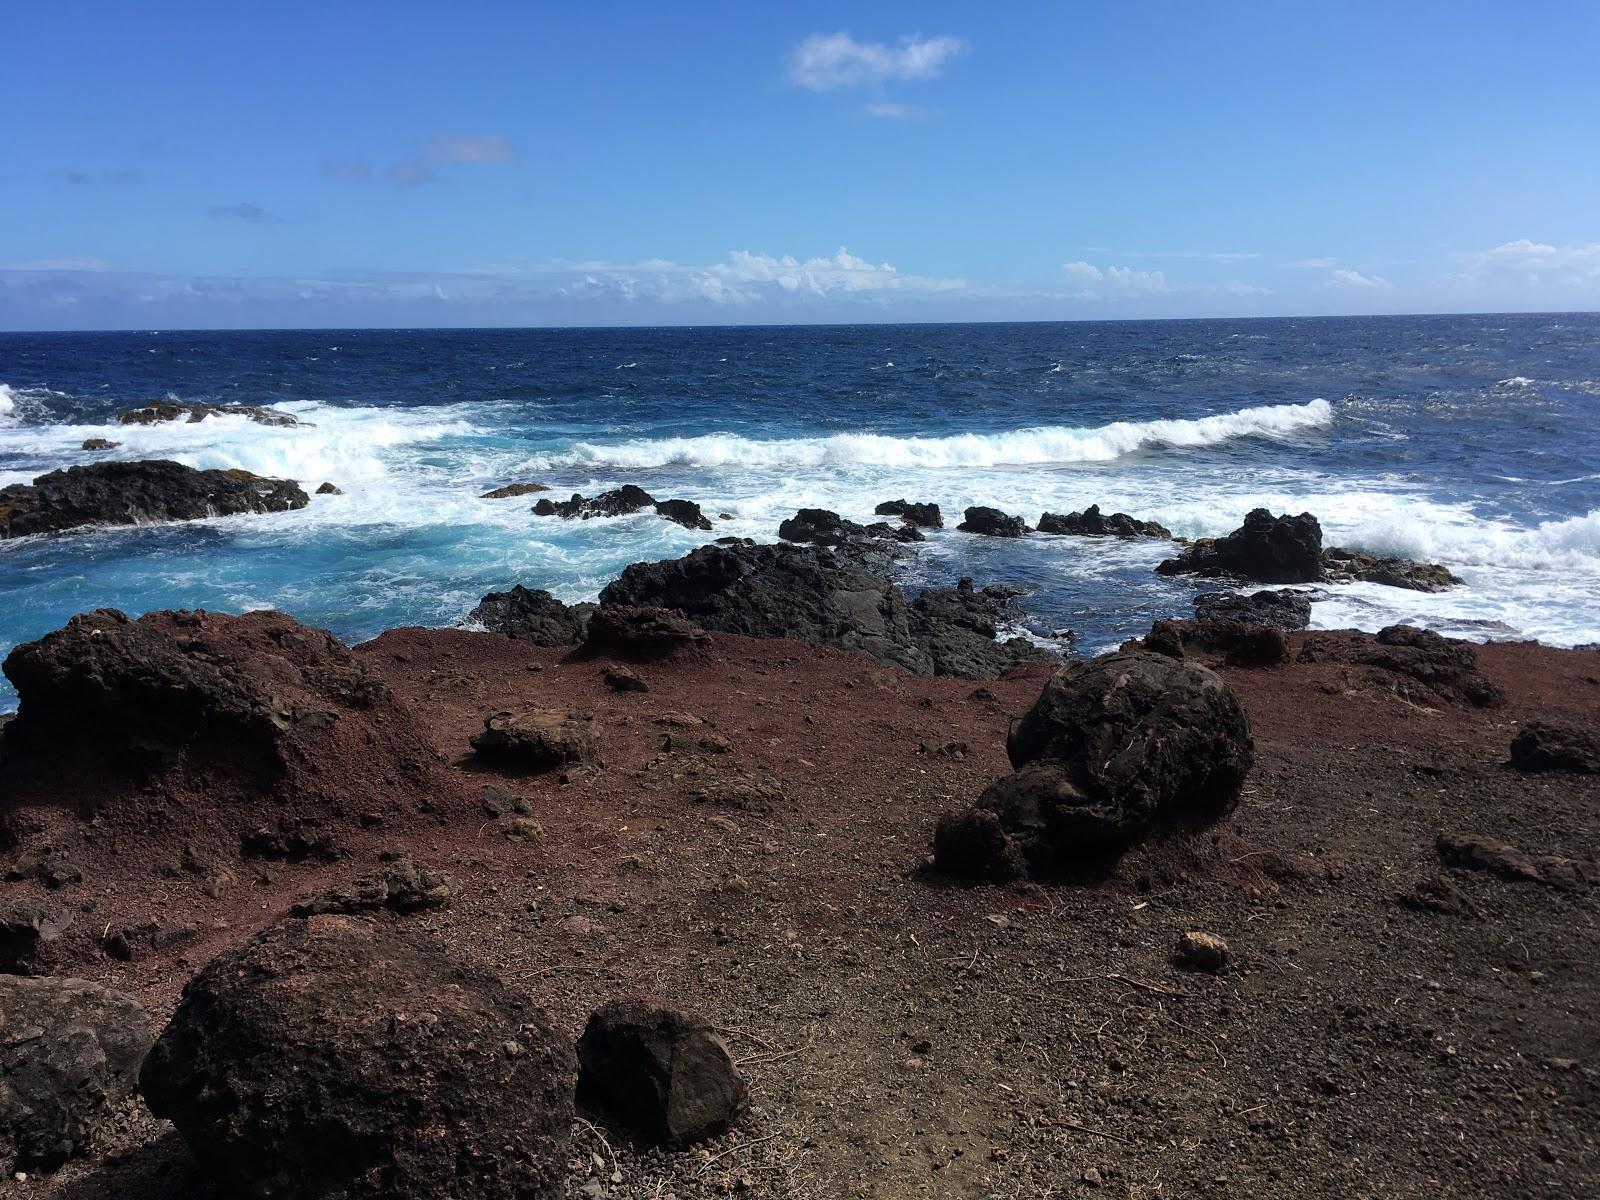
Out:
{"x": 404, "y": 164}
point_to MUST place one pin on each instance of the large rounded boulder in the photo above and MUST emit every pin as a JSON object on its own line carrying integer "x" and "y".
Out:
{"x": 331, "y": 1058}
{"x": 1114, "y": 749}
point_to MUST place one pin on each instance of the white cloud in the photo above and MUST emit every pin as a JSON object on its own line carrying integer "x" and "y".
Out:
{"x": 482, "y": 149}
{"x": 1314, "y": 264}
{"x": 1577, "y": 265}
{"x": 1093, "y": 283}
{"x": 1204, "y": 255}
{"x": 59, "y": 264}
{"x": 1344, "y": 278}
{"x": 891, "y": 111}
{"x": 826, "y": 61}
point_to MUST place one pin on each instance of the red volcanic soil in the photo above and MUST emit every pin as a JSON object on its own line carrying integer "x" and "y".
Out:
{"x": 753, "y": 847}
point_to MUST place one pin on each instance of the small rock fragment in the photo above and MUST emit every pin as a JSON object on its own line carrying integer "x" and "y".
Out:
{"x": 1202, "y": 952}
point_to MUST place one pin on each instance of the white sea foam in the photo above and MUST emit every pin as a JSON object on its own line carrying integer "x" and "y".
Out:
{"x": 8, "y": 405}
{"x": 1040, "y": 446}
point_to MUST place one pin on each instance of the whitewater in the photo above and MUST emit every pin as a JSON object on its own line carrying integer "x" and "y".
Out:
{"x": 1468, "y": 441}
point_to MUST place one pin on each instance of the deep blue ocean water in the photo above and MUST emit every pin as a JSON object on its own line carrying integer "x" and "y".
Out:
{"x": 1469, "y": 440}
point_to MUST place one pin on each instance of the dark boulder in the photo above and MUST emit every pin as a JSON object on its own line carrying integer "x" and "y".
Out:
{"x": 1417, "y": 664}
{"x": 331, "y": 1057}
{"x": 1092, "y": 523}
{"x": 1345, "y": 566}
{"x": 836, "y": 597}
{"x": 1282, "y": 609}
{"x": 27, "y": 935}
{"x": 532, "y": 615}
{"x": 138, "y": 493}
{"x": 659, "y": 1074}
{"x": 820, "y": 527}
{"x": 894, "y": 533}
{"x": 1468, "y": 853}
{"x": 98, "y": 443}
{"x": 1115, "y": 749}
{"x": 991, "y": 522}
{"x": 1540, "y": 746}
{"x": 1235, "y": 643}
{"x": 330, "y": 489}
{"x": 160, "y": 411}
{"x": 616, "y": 503}
{"x": 69, "y": 1052}
{"x": 927, "y": 516}
{"x": 536, "y": 739}
{"x": 683, "y": 512}
{"x": 642, "y": 634}
{"x": 512, "y": 490}
{"x": 1266, "y": 548}
{"x": 403, "y": 886}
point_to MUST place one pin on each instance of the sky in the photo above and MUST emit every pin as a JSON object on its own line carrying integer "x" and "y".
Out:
{"x": 395, "y": 164}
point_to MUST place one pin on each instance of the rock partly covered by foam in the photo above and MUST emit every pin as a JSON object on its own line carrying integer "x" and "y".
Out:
{"x": 1282, "y": 549}
{"x": 69, "y": 1052}
{"x": 926, "y": 515}
{"x": 1091, "y": 522}
{"x": 138, "y": 493}
{"x": 658, "y": 1073}
{"x": 991, "y": 522}
{"x": 622, "y": 501}
{"x": 512, "y": 490}
{"x": 1345, "y": 566}
{"x": 331, "y": 1057}
{"x": 205, "y": 716}
{"x": 1283, "y": 609}
{"x": 532, "y": 615}
{"x": 837, "y": 597}
{"x": 158, "y": 412}
{"x": 1114, "y": 748}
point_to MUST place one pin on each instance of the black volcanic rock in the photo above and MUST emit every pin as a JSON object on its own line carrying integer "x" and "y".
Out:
{"x": 1282, "y": 609}
{"x": 1092, "y": 523}
{"x": 532, "y": 615}
{"x": 1541, "y": 746}
{"x": 839, "y": 597}
{"x": 991, "y": 522}
{"x": 1266, "y": 548}
{"x": 137, "y": 493}
{"x": 332, "y": 1057}
{"x": 927, "y": 516}
{"x": 620, "y": 502}
{"x": 160, "y": 411}
{"x": 1341, "y": 565}
{"x": 821, "y": 527}
{"x": 684, "y": 512}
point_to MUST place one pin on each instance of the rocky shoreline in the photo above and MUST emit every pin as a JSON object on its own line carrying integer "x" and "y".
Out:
{"x": 761, "y": 875}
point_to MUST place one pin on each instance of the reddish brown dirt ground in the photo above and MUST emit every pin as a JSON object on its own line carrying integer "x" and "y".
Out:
{"x": 907, "y": 1037}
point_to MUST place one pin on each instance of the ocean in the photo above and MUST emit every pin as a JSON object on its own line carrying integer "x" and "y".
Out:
{"x": 1472, "y": 441}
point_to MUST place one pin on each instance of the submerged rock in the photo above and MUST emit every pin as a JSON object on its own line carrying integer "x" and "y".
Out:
{"x": 991, "y": 522}
{"x": 532, "y": 615}
{"x": 138, "y": 493}
{"x": 837, "y": 597}
{"x": 330, "y": 489}
{"x": 1282, "y": 609}
{"x": 1114, "y": 749}
{"x": 927, "y": 515}
{"x": 331, "y": 1057}
{"x": 619, "y": 503}
{"x": 160, "y": 411}
{"x": 99, "y": 443}
{"x": 658, "y": 1073}
{"x": 512, "y": 490}
{"x": 1270, "y": 549}
{"x": 1092, "y": 523}
{"x": 69, "y": 1051}
{"x": 1341, "y": 565}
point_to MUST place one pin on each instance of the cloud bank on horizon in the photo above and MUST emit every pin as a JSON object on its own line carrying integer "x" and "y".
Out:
{"x": 977, "y": 172}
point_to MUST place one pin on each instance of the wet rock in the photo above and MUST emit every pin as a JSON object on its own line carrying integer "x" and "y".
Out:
{"x": 621, "y": 679}
{"x": 839, "y": 597}
{"x": 1198, "y": 951}
{"x": 1417, "y": 664}
{"x": 512, "y": 490}
{"x": 403, "y": 886}
{"x": 927, "y": 516}
{"x": 1281, "y": 609}
{"x": 1343, "y": 566}
{"x": 1270, "y": 549}
{"x": 639, "y": 633}
{"x": 532, "y": 615}
{"x": 536, "y": 739}
{"x": 1508, "y": 862}
{"x": 1115, "y": 749}
{"x": 331, "y": 1057}
{"x": 330, "y": 489}
{"x": 26, "y": 934}
{"x": 1092, "y": 523}
{"x": 160, "y": 411}
{"x": 991, "y": 522}
{"x": 659, "y": 1074}
{"x": 1235, "y": 643}
{"x": 616, "y": 503}
{"x": 138, "y": 493}
{"x": 683, "y": 512}
{"x": 69, "y": 1051}
{"x": 894, "y": 533}
{"x": 821, "y": 527}
{"x": 99, "y": 443}
{"x": 1540, "y": 746}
